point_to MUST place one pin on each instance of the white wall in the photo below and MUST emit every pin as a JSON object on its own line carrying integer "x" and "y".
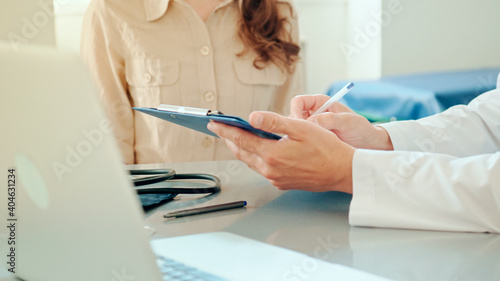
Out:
{"x": 362, "y": 45}
{"x": 27, "y": 22}
{"x": 421, "y": 36}
{"x": 322, "y": 28}
{"x": 431, "y": 35}
{"x": 68, "y": 23}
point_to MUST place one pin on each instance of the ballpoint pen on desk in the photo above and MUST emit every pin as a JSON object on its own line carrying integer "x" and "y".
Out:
{"x": 208, "y": 209}
{"x": 334, "y": 98}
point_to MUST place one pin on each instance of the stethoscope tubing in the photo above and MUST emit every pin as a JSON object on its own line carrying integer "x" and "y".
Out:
{"x": 161, "y": 175}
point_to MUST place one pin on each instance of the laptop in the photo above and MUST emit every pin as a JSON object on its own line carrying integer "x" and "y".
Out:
{"x": 71, "y": 211}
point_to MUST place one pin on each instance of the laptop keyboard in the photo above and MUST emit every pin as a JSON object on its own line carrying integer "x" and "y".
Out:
{"x": 176, "y": 271}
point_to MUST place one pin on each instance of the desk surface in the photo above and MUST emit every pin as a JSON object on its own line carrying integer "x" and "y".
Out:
{"x": 316, "y": 224}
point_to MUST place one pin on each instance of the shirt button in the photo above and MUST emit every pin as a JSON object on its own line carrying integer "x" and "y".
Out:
{"x": 209, "y": 96}
{"x": 147, "y": 77}
{"x": 205, "y": 50}
{"x": 207, "y": 142}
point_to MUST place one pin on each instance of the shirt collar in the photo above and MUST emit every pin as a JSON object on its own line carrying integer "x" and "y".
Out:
{"x": 155, "y": 9}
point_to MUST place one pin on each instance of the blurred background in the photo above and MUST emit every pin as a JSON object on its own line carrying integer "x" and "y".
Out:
{"x": 356, "y": 40}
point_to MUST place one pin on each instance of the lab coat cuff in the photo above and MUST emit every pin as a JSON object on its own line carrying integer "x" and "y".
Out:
{"x": 363, "y": 189}
{"x": 398, "y": 134}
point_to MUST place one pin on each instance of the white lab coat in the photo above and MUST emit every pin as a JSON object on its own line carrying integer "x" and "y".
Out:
{"x": 443, "y": 175}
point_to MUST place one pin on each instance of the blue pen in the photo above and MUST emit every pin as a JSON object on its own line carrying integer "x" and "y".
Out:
{"x": 335, "y": 98}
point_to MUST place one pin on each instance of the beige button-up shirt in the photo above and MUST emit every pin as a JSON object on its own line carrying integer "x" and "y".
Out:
{"x": 143, "y": 53}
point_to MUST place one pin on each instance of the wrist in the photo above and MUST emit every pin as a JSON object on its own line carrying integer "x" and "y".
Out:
{"x": 343, "y": 174}
{"x": 348, "y": 173}
{"x": 383, "y": 139}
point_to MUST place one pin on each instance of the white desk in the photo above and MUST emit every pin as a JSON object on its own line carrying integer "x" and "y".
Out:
{"x": 317, "y": 224}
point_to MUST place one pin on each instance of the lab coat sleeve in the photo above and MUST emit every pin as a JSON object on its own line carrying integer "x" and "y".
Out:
{"x": 460, "y": 131}
{"x": 419, "y": 190}
{"x": 103, "y": 53}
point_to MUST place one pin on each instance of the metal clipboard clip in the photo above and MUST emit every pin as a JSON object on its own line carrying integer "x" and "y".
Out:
{"x": 188, "y": 110}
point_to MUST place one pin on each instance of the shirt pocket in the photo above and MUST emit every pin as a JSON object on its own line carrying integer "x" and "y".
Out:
{"x": 150, "y": 78}
{"x": 257, "y": 87}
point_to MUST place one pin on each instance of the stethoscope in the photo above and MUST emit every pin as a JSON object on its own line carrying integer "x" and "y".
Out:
{"x": 152, "y": 176}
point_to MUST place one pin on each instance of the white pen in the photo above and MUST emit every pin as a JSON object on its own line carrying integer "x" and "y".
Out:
{"x": 334, "y": 98}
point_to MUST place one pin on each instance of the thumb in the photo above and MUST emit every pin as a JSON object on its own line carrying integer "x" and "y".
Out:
{"x": 275, "y": 123}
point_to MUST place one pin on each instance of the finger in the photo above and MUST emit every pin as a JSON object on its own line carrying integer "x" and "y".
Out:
{"x": 241, "y": 138}
{"x": 242, "y": 154}
{"x": 251, "y": 159}
{"x": 338, "y": 107}
{"x": 304, "y": 105}
{"x": 334, "y": 121}
{"x": 275, "y": 123}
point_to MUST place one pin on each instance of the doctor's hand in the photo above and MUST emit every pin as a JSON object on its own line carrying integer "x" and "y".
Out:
{"x": 307, "y": 158}
{"x": 350, "y": 127}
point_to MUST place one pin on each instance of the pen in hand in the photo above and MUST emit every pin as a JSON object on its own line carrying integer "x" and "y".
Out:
{"x": 334, "y": 98}
{"x": 203, "y": 210}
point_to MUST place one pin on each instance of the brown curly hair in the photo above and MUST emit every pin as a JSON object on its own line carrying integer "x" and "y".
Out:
{"x": 264, "y": 30}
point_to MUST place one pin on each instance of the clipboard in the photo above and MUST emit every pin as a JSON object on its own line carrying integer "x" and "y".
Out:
{"x": 198, "y": 118}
